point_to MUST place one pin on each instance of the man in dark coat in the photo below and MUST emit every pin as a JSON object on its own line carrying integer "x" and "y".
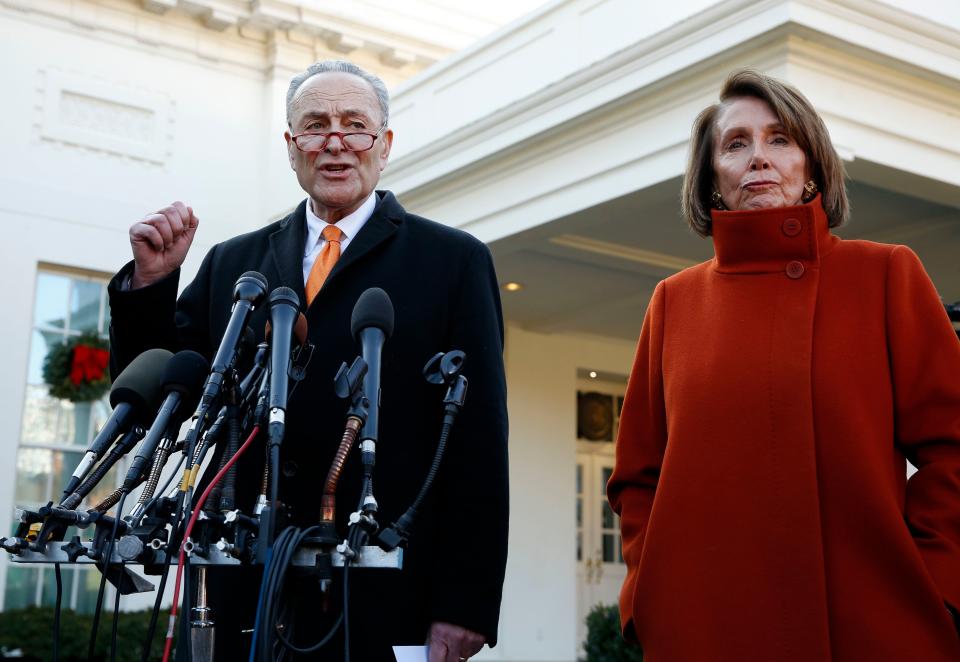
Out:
{"x": 445, "y": 295}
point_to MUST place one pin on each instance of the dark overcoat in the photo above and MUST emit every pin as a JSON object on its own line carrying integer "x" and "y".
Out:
{"x": 777, "y": 393}
{"x": 445, "y": 295}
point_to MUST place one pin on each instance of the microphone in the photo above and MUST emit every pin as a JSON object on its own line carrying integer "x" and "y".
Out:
{"x": 371, "y": 325}
{"x": 135, "y": 394}
{"x": 284, "y": 311}
{"x": 248, "y": 292}
{"x": 299, "y": 330}
{"x": 182, "y": 382}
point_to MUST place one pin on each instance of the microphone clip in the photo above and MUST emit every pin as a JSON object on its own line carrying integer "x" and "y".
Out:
{"x": 348, "y": 384}
{"x": 300, "y": 360}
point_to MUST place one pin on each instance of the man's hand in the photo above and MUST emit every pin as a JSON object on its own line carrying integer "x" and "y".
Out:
{"x": 160, "y": 242}
{"x": 452, "y": 643}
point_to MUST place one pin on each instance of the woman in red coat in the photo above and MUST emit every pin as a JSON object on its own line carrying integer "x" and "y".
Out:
{"x": 777, "y": 392}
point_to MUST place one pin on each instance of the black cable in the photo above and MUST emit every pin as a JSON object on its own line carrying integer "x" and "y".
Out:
{"x": 269, "y": 619}
{"x": 116, "y": 619}
{"x": 435, "y": 466}
{"x": 103, "y": 579}
{"x": 313, "y": 648}
{"x": 56, "y": 612}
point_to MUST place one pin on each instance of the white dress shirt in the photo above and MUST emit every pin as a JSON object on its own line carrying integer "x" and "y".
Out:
{"x": 349, "y": 225}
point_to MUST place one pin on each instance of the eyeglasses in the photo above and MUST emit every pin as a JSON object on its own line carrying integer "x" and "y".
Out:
{"x": 359, "y": 141}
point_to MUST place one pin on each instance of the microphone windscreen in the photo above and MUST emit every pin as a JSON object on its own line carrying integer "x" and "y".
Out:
{"x": 185, "y": 374}
{"x": 373, "y": 309}
{"x": 284, "y": 295}
{"x": 140, "y": 382}
{"x": 251, "y": 286}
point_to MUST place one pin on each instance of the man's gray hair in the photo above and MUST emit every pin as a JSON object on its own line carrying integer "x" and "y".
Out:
{"x": 344, "y": 67}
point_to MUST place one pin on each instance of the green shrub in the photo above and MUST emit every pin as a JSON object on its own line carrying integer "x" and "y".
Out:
{"x": 31, "y": 631}
{"x": 604, "y": 642}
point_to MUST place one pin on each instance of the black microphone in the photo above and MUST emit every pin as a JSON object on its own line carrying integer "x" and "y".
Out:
{"x": 135, "y": 395}
{"x": 284, "y": 312}
{"x": 249, "y": 291}
{"x": 182, "y": 382}
{"x": 371, "y": 325}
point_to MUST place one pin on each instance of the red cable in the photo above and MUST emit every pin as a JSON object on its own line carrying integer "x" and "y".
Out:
{"x": 186, "y": 536}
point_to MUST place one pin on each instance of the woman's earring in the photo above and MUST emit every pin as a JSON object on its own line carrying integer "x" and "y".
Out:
{"x": 717, "y": 201}
{"x": 809, "y": 191}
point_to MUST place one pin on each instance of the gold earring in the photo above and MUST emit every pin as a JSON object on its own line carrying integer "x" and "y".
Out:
{"x": 809, "y": 191}
{"x": 717, "y": 201}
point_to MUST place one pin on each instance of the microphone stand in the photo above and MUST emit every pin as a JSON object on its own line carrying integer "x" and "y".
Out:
{"x": 202, "y": 637}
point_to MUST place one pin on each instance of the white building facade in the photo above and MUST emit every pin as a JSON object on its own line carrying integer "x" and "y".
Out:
{"x": 560, "y": 140}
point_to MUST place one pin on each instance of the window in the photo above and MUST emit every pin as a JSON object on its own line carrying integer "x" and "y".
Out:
{"x": 54, "y": 433}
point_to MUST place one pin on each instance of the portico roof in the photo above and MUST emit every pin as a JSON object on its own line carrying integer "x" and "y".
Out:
{"x": 561, "y": 139}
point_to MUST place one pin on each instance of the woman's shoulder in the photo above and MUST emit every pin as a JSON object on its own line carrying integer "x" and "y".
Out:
{"x": 864, "y": 252}
{"x": 689, "y": 275}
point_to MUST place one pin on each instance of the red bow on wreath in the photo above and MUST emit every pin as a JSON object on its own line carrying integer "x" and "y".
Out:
{"x": 89, "y": 364}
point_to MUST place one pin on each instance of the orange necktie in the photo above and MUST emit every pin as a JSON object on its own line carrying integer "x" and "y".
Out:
{"x": 324, "y": 263}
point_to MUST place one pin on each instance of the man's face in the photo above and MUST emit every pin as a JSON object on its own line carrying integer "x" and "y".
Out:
{"x": 336, "y": 179}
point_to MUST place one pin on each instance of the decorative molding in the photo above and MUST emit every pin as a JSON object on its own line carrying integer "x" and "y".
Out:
{"x": 105, "y": 117}
{"x": 342, "y": 43}
{"x": 242, "y": 27}
{"x": 159, "y": 6}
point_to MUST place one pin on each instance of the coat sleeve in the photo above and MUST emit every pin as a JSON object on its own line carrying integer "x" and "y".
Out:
{"x": 472, "y": 491}
{"x": 640, "y": 446}
{"x": 152, "y": 316}
{"x": 925, "y": 365}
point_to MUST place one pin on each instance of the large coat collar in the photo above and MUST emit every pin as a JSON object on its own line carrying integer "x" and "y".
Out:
{"x": 287, "y": 242}
{"x": 764, "y": 240}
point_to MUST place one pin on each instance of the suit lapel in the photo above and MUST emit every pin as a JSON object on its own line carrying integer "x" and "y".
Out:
{"x": 287, "y": 246}
{"x": 379, "y": 228}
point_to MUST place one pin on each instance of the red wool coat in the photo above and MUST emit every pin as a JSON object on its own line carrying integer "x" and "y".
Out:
{"x": 760, "y": 472}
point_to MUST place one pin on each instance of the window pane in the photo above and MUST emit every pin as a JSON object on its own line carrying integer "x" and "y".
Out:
{"x": 609, "y": 542}
{"x": 48, "y": 598}
{"x": 607, "y": 516}
{"x": 579, "y": 512}
{"x": 46, "y": 420}
{"x": 99, "y": 413}
{"x": 85, "y": 415}
{"x": 21, "y": 590}
{"x": 51, "y": 304}
{"x": 34, "y": 468}
{"x": 40, "y": 344}
{"x": 63, "y": 465}
{"x": 607, "y": 472}
{"x": 85, "y": 306}
{"x": 579, "y": 545}
{"x": 87, "y": 590}
{"x": 41, "y": 474}
{"x": 579, "y": 479}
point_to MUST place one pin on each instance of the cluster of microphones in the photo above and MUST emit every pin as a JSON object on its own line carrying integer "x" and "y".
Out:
{"x": 196, "y": 521}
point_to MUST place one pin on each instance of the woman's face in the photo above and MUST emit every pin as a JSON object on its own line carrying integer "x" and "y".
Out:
{"x": 756, "y": 164}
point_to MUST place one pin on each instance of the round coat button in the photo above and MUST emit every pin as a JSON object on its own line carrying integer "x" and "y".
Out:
{"x": 792, "y": 227}
{"x": 795, "y": 269}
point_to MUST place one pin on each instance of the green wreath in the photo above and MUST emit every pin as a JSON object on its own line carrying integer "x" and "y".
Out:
{"x": 76, "y": 370}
